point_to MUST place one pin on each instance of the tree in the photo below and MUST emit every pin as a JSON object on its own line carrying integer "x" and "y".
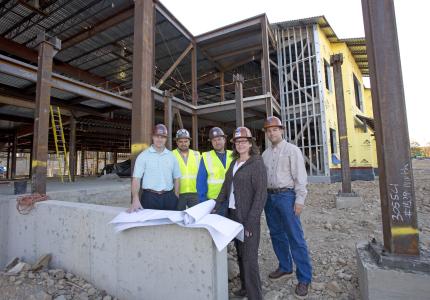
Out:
{"x": 415, "y": 149}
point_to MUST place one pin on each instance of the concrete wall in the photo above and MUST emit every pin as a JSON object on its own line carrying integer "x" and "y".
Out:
{"x": 162, "y": 262}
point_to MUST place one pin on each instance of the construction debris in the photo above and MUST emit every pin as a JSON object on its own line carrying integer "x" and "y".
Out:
{"x": 41, "y": 263}
{"x": 20, "y": 281}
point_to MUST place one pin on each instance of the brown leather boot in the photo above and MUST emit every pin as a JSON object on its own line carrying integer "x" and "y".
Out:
{"x": 301, "y": 290}
{"x": 279, "y": 274}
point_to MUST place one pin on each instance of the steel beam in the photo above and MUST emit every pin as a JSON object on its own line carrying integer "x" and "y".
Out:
{"x": 172, "y": 20}
{"x": 8, "y": 160}
{"x": 115, "y": 19}
{"x": 168, "y": 117}
{"x": 231, "y": 105}
{"x": 175, "y": 64}
{"x": 23, "y": 52}
{"x": 195, "y": 97}
{"x": 221, "y": 85}
{"x": 238, "y": 93}
{"x": 72, "y": 148}
{"x": 143, "y": 65}
{"x": 265, "y": 64}
{"x": 249, "y": 49}
{"x": 229, "y": 28}
{"x": 13, "y": 163}
{"x": 47, "y": 50}
{"x": 28, "y": 72}
{"x": 336, "y": 61}
{"x": 82, "y": 167}
{"x": 396, "y": 182}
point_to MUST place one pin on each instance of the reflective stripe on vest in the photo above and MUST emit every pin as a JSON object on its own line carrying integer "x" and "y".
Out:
{"x": 216, "y": 172}
{"x": 188, "y": 171}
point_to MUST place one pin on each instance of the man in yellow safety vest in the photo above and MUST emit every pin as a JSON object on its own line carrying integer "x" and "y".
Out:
{"x": 189, "y": 161}
{"x": 213, "y": 167}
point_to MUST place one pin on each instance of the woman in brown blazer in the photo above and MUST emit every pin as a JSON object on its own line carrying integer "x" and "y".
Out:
{"x": 245, "y": 189}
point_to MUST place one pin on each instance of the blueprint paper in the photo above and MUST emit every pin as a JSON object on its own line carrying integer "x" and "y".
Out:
{"x": 221, "y": 229}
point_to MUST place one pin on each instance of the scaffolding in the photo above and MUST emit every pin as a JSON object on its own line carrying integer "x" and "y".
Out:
{"x": 301, "y": 94}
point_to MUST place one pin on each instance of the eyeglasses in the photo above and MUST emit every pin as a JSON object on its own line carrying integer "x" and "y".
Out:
{"x": 242, "y": 142}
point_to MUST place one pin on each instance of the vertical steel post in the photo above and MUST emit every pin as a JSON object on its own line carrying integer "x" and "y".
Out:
{"x": 48, "y": 47}
{"x": 8, "y": 159}
{"x": 238, "y": 95}
{"x": 143, "y": 65}
{"x": 14, "y": 149}
{"x": 72, "y": 148}
{"x": 31, "y": 159}
{"x": 396, "y": 182}
{"x": 265, "y": 64}
{"x": 195, "y": 97}
{"x": 168, "y": 117}
{"x": 97, "y": 162}
{"x": 336, "y": 61}
{"x": 221, "y": 86}
{"x": 82, "y": 162}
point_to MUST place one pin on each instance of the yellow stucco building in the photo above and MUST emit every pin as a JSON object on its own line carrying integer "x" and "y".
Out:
{"x": 308, "y": 94}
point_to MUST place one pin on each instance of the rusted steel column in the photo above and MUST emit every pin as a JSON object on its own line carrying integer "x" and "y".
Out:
{"x": 72, "y": 148}
{"x": 396, "y": 182}
{"x": 115, "y": 157}
{"x": 336, "y": 61}
{"x": 195, "y": 97}
{"x": 31, "y": 159}
{"x": 221, "y": 86}
{"x": 82, "y": 162}
{"x": 265, "y": 64}
{"x": 48, "y": 47}
{"x": 13, "y": 163}
{"x": 238, "y": 95}
{"x": 168, "y": 117}
{"x": 97, "y": 162}
{"x": 142, "y": 119}
{"x": 8, "y": 159}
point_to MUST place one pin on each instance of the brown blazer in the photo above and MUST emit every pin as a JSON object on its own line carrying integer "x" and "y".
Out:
{"x": 250, "y": 190}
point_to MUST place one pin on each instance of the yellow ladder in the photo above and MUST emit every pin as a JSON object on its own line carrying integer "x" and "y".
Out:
{"x": 58, "y": 132}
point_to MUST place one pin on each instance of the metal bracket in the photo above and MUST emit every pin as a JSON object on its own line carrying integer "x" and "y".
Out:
{"x": 54, "y": 41}
{"x": 404, "y": 262}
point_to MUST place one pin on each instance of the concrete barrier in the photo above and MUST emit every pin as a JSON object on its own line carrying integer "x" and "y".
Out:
{"x": 161, "y": 262}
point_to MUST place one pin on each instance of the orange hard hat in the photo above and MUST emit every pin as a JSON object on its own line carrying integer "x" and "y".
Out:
{"x": 272, "y": 121}
{"x": 216, "y": 132}
{"x": 241, "y": 132}
{"x": 160, "y": 129}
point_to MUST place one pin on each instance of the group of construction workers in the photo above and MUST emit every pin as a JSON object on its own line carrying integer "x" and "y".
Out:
{"x": 243, "y": 183}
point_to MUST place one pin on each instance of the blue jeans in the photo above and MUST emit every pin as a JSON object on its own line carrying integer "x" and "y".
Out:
{"x": 287, "y": 235}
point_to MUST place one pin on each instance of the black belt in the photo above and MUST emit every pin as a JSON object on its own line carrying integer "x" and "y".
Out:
{"x": 279, "y": 190}
{"x": 157, "y": 192}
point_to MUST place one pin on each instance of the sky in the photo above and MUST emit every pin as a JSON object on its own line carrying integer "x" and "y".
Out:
{"x": 345, "y": 17}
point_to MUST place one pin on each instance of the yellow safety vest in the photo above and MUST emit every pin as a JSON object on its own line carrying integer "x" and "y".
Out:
{"x": 216, "y": 172}
{"x": 188, "y": 171}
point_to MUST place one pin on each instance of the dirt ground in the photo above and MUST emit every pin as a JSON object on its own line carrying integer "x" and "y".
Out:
{"x": 331, "y": 234}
